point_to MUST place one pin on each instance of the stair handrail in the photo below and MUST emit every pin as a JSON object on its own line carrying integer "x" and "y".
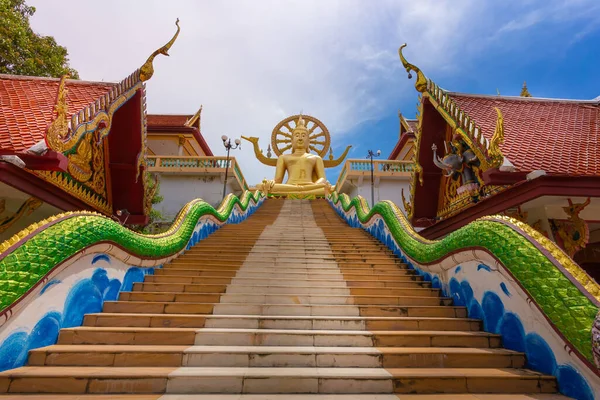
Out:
{"x": 35, "y": 251}
{"x": 514, "y": 244}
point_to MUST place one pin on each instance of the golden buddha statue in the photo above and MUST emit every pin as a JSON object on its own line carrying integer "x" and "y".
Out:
{"x": 305, "y": 171}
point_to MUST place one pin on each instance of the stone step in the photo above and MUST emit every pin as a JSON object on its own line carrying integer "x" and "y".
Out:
{"x": 327, "y": 267}
{"x": 159, "y": 320}
{"x": 275, "y": 337}
{"x": 397, "y": 275}
{"x": 274, "y": 356}
{"x": 402, "y": 282}
{"x": 273, "y": 380}
{"x": 270, "y": 251}
{"x": 159, "y": 307}
{"x": 268, "y": 288}
{"x": 287, "y": 396}
{"x": 270, "y": 244}
{"x": 313, "y": 299}
{"x": 299, "y": 337}
{"x": 343, "y": 259}
{"x": 316, "y": 271}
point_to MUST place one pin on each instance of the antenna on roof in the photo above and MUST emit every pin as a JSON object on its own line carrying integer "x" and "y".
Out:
{"x": 497, "y": 92}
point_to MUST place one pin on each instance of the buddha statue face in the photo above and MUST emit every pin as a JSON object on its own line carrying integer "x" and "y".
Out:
{"x": 300, "y": 138}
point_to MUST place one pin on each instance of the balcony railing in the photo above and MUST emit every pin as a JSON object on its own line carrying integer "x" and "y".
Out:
{"x": 381, "y": 168}
{"x": 193, "y": 165}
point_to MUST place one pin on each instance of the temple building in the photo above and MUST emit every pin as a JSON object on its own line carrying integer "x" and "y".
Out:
{"x": 185, "y": 165}
{"x": 88, "y": 156}
{"x": 69, "y": 145}
{"x": 534, "y": 159}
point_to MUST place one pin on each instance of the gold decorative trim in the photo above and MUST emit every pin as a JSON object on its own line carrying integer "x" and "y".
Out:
{"x": 494, "y": 151}
{"x": 75, "y": 189}
{"x": 197, "y": 116}
{"x": 474, "y": 139}
{"x": 575, "y": 270}
{"x": 79, "y": 162}
{"x": 63, "y": 135}
{"x": 58, "y": 129}
{"x": 147, "y": 70}
{"x": 421, "y": 82}
{"x": 271, "y": 162}
{"x": 407, "y": 205}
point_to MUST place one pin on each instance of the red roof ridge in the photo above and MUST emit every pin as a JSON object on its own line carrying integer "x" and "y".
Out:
{"x": 526, "y": 99}
{"x": 45, "y": 78}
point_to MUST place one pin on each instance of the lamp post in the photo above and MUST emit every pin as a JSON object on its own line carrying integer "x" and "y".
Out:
{"x": 371, "y": 155}
{"x": 228, "y": 146}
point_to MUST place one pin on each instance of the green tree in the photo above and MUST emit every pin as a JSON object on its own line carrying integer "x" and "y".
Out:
{"x": 154, "y": 224}
{"x": 22, "y": 51}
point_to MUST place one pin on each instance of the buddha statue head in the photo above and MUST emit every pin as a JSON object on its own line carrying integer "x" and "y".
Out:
{"x": 300, "y": 136}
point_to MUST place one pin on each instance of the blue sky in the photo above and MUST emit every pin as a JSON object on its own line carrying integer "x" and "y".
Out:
{"x": 252, "y": 63}
{"x": 553, "y": 48}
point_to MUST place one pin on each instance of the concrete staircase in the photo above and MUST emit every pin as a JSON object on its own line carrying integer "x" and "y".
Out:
{"x": 292, "y": 301}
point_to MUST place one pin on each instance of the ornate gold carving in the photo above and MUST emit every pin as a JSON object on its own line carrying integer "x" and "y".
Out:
{"x": 271, "y": 162}
{"x": 575, "y": 235}
{"x": 421, "y": 82}
{"x": 407, "y": 205}
{"x": 417, "y": 166}
{"x": 147, "y": 70}
{"x": 496, "y": 156}
{"x": 525, "y": 91}
{"x": 29, "y": 206}
{"x": 334, "y": 163}
{"x": 417, "y": 174}
{"x": 99, "y": 180}
{"x": 473, "y": 137}
{"x": 79, "y": 162}
{"x": 75, "y": 189}
{"x": 197, "y": 116}
{"x": 58, "y": 129}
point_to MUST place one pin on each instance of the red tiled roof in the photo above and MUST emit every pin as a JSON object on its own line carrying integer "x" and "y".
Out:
{"x": 167, "y": 120}
{"x": 557, "y": 136}
{"x": 27, "y": 106}
{"x": 174, "y": 124}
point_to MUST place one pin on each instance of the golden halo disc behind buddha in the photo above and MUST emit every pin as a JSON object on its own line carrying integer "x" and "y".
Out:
{"x": 318, "y": 135}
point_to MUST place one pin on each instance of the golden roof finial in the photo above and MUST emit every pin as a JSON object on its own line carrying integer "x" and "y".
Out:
{"x": 498, "y": 138}
{"x": 147, "y": 70}
{"x": 525, "y": 91}
{"x": 59, "y": 128}
{"x": 421, "y": 82}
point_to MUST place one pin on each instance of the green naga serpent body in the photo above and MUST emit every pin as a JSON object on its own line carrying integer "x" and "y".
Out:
{"x": 27, "y": 257}
{"x": 565, "y": 293}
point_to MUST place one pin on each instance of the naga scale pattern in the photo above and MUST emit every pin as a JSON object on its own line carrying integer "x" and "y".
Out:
{"x": 27, "y": 257}
{"x": 562, "y": 301}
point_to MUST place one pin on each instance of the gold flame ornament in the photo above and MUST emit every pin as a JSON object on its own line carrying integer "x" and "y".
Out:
{"x": 147, "y": 70}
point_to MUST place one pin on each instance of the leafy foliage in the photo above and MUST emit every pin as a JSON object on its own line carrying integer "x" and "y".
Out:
{"x": 22, "y": 51}
{"x": 154, "y": 215}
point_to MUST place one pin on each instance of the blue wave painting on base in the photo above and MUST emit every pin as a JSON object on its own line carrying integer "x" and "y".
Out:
{"x": 85, "y": 297}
